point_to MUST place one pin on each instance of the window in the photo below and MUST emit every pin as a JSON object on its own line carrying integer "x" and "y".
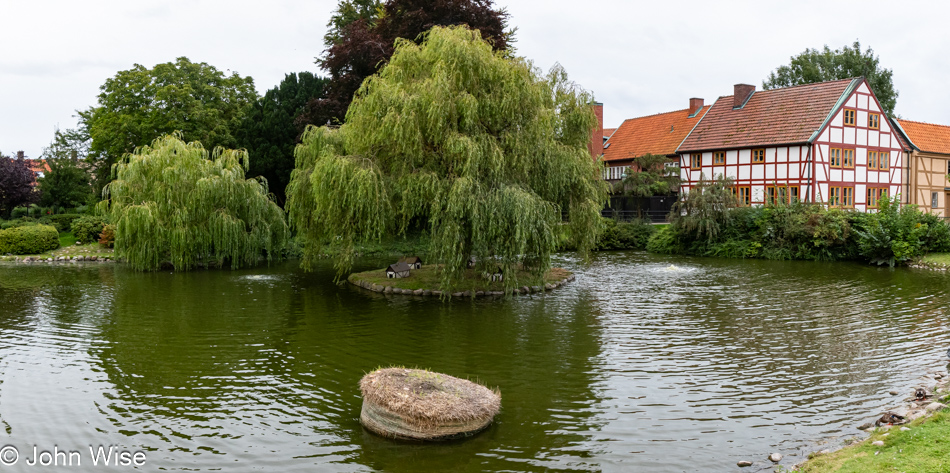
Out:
{"x": 884, "y": 159}
{"x": 784, "y": 194}
{"x": 695, "y": 161}
{"x": 849, "y": 117}
{"x": 841, "y": 196}
{"x": 847, "y": 158}
{"x": 834, "y": 156}
{"x": 874, "y": 120}
{"x": 743, "y": 195}
{"x": 758, "y": 156}
{"x": 719, "y": 158}
{"x": 934, "y": 200}
{"x": 875, "y": 194}
{"x": 872, "y": 160}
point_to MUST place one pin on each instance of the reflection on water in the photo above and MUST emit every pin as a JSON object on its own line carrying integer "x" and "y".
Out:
{"x": 644, "y": 363}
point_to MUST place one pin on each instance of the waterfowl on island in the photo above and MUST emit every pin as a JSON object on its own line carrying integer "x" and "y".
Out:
{"x": 889, "y": 418}
{"x": 920, "y": 394}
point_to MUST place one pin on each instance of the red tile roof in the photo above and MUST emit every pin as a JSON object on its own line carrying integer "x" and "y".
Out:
{"x": 927, "y": 136}
{"x": 654, "y": 134}
{"x": 608, "y": 132}
{"x": 769, "y": 117}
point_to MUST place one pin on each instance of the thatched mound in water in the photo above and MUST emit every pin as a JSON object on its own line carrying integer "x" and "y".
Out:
{"x": 421, "y": 405}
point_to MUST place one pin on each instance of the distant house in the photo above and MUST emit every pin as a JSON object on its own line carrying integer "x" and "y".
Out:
{"x": 928, "y": 164}
{"x": 398, "y": 270}
{"x": 414, "y": 262}
{"x": 658, "y": 134}
{"x": 38, "y": 166}
{"x": 826, "y": 142}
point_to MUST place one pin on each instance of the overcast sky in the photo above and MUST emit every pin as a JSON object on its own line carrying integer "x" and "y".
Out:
{"x": 638, "y": 58}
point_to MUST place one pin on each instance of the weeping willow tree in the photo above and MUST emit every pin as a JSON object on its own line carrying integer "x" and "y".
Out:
{"x": 170, "y": 203}
{"x": 480, "y": 147}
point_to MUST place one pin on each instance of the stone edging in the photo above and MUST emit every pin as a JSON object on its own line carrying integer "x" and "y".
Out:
{"x": 463, "y": 294}
{"x": 911, "y": 408}
{"x": 60, "y": 259}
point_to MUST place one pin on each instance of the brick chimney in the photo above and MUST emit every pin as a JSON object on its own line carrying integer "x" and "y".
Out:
{"x": 596, "y": 145}
{"x": 741, "y": 95}
{"x": 19, "y": 155}
{"x": 695, "y": 105}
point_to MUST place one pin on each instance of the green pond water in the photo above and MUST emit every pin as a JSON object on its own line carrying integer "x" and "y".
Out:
{"x": 644, "y": 363}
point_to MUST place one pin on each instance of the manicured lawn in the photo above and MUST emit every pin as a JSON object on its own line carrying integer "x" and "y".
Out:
{"x": 925, "y": 448}
{"x": 429, "y": 277}
{"x": 937, "y": 259}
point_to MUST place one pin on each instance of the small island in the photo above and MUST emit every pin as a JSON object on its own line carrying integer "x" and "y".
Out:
{"x": 426, "y": 281}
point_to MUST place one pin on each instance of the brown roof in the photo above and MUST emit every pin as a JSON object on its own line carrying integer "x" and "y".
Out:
{"x": 654, "y": 134}
{"x": 769, "y": 117}
{"x": 927, "y": 136}
{"x": 608, "y": 132}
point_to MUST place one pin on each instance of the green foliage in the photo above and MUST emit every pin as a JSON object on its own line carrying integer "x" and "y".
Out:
{"x": 650, "y": 175}
{"x": 87, "y": 228}
{"x": 666, "y": 241}
{"x": 455, "y": 137}
{"x": 268, "y": 132}
{"x": 169, "y": 202}
{"x": 140, "y": 104}
{"x": 62, "y": 222}
{"x": 67, "y": 184}
{"x": 897, "y": 234}
{"x": 894, "y": 235}
{"x": 348, "y": 11}
{"x": 625, "y": 235}
{"x": 704, "y": 210}
{"x": 813, "y": 66}
{"x": 19, "y": 212}
{"x": 28, "y": 240}
{"x": 18, "y": 222}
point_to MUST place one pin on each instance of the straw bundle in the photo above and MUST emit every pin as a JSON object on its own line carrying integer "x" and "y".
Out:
{"x": 421, "y": 405}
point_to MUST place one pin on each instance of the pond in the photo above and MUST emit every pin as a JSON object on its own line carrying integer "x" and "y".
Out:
{"x": 644, "y": 363}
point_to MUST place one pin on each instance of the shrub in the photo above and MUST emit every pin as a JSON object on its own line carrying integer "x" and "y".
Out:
{"x": 19, "y": 212}
{"x": 20, "y": 222}
{"x": 107, "y": 237}
{"x": 624, "y": 235}
{"x": 63, "y": 222}
{"x": 87, "y": 228}
{"x": 29, "y": 240}
{"x": 666, "y": 241}
{"x": 896, "y": 234}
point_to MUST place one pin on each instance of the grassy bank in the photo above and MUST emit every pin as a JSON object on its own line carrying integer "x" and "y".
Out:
{"x": 68, "y": 249}
{"x": 430, "y": 277}
{"x": 937, "y": 260}
{"x": 924, "y": 448}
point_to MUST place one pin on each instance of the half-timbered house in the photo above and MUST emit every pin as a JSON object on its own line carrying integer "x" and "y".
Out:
{"x": 827, "y": 142}
{"x": 928, "y": 165}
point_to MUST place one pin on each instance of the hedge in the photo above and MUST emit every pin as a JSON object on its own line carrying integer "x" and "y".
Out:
{"x": 29, "y": 240}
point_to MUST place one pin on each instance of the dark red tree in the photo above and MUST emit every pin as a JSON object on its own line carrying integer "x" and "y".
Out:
{"x": 367, "y": 44}
{"x": 16, "y": 185}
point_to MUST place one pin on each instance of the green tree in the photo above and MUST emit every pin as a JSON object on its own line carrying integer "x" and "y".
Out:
{"x": 139, "y": 105}
{"x": 705, "y": 210}
{"x": 169, "y": 202}
{"x": 650, "y": 175}
{"x": 347, "y": 12}
{"x": 457, "y": 136}
{"x": 268, "y": 131}
{"x": 818, "y": 66}
{"x": 67, "y": 184}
